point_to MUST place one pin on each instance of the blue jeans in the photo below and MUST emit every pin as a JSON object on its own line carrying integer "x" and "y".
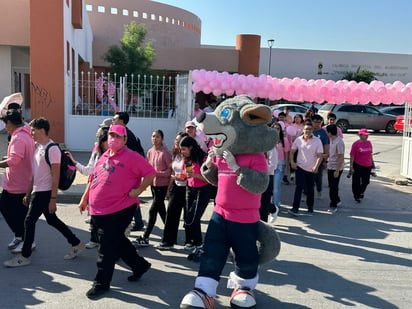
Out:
{"x": 277, "y": 181}
{"x": 222, "y": 235}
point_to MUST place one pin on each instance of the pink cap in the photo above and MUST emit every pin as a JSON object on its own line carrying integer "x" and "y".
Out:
{"x": 118, "y": 129}
{"x": 363, "y": 132}
{"x": 190, "y": 124}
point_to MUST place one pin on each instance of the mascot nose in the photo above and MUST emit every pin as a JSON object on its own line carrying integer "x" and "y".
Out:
{"x": 200, "y": 117}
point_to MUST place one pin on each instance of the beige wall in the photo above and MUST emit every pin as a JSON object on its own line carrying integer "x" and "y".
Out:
{"x": 14, "y": 22}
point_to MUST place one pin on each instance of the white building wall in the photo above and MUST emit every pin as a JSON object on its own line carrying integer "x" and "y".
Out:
{"x": 319, "y": 64}
{"x": 5, "y": 71}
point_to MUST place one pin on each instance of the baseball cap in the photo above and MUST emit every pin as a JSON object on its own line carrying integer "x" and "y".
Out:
{"x": 190, "y": 124}
{"x": 106, "y": 123}
{"x": 118, "y": 129}
{"x": 363, "y": 132}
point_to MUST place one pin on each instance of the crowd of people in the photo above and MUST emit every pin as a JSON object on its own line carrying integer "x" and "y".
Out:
{"x": 119, "y": 170}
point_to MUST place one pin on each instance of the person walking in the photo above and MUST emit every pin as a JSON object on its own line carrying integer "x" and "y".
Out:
{"x": 310, "y": 155}
{"x": 361, "y": 164}
{"x": 17, "y": 176}
{"x": 335, "y": 165}
{"x": 44, "y": 189}
{"x": 177, "y": 197}
{"x": 119, "y": 177}
{"x": 317, "y": 121}
{"x": 159, "y": 157}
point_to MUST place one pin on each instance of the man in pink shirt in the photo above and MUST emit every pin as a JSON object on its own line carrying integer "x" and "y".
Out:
{"x": 18, "y": 175}
{"x": 310, "y": 155}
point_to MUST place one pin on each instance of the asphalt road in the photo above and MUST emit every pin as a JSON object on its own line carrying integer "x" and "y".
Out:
{"x": 359, "y": 257}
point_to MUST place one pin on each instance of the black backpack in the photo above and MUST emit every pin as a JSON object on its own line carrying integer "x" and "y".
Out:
{"x": 67, "y": 169}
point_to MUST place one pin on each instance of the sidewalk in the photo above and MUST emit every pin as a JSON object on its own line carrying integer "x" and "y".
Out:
{"x": 359, "y": 257}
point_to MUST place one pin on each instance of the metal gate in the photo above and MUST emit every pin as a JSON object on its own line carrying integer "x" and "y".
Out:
{"x": 406, "y": 157}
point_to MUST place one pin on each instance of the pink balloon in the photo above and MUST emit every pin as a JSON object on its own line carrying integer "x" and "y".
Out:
{"x": 398, "y": 85}
{"x": 229, "y": 92}
{"x": 217, "y": 92}
{"x": 376, "y": 84}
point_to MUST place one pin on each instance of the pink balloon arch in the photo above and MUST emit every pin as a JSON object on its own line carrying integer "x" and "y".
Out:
{"x": 299, "y": 89}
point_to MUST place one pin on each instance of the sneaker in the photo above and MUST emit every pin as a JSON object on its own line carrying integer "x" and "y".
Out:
{"x": 293, "y": 212}
{"x": 197, "y": 298}
{"x": 91, "y": 245}
{"x": 319, "y": 194}
{"x": 242, "y": 298}
{"x": 96, "y": 292}
{"x": 19, "y": 248}
{"x": 285, "y": 180}
{"x": 17, "y": 261}
{"x": 274, "y": 216}
{"x": 14, "y": 243}
{"x": 74, "y": 251}
{"x": 141, "y": 242}
{"x": 196, "y": 254}
{"x": 88, "y": 220}
{"x": 310, "y": 212}
{"x": 137, "y": 276}
{"x": 333, "y": 209}
{"x": 189, "y": 246}
{"x": 164, "y": 246}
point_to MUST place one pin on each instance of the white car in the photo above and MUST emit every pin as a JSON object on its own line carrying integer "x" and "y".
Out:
{"x": 293, "y": 109}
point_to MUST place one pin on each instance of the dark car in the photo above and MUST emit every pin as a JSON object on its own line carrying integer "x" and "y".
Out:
{"x": 393, "y": 110}
{"x": 357, "y": 116}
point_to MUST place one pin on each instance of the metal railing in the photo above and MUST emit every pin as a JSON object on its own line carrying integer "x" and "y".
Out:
{"x": 141, "y": 96}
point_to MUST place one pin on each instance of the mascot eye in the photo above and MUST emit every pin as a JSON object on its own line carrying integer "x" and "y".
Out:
{"x": 225, "y": 114}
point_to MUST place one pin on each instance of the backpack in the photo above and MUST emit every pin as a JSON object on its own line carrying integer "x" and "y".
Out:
{"x": 67, "y": 169}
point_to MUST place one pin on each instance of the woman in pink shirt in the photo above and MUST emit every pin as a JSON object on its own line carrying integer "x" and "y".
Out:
{"x": 159, "y": 157}
{"x": 361, "y": 164}
{"x": 198, "y": 192}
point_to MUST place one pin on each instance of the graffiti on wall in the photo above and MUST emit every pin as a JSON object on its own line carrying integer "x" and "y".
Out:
{"x": 41, "y": 97}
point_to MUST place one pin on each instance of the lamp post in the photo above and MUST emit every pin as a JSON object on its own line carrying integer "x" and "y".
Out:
{"x": 270, "y": 44}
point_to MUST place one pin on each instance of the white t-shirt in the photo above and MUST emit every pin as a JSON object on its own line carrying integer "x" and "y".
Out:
{"x": 42, "y": 171}
{"x": 307, "y": 152}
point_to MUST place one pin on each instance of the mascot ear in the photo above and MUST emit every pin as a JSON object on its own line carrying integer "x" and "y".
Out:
{"x": 257, "y": 114}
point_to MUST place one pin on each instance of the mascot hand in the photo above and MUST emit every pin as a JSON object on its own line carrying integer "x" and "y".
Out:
{"x": 230, "y": 160}
{"x": 209, "y": 160}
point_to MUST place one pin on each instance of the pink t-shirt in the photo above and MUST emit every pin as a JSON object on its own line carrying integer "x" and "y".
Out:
{"x": 112, "y": 179}
{"x": 195, "y": 182}
{"x": 232, "y": 201}
{"x": 19, "y": 173}
{"x": 282, "y": 150}
{"x": 362, "y": 151}
{"x": 307, "y": 152}
{"x": 43, "y": 180}
{"x": 161, "y": 160}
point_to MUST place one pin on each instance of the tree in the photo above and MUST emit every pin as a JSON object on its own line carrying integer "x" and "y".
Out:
{"x": 360, "y": 76}
{"x": 132, "y": 56}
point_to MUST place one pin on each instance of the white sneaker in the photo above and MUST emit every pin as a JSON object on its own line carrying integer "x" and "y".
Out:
{"x": 17, "y": 261}
{"x": 91, "y": 245}
{"x": 274, "y": 216}
{"x": 19, "y": 248}
{"x": 14, "y": 243}
{"x": 74, "y": 252}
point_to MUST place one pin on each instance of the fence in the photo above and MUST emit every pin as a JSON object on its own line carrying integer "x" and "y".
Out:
{"x": 141, "y": 96}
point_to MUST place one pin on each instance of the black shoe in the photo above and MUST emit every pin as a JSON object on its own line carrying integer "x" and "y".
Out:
{"x": 293, "y": 212}
{"x": 137, "y": 276}
{"x": 285, "y": 180}
{"x": 362, "y": 196}
{"x": 96, "y": 292}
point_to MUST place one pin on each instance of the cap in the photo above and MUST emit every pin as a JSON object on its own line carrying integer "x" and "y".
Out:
{"x": 106, "y": 123}
{"x": 363, "y": 132}
{"x": 190, "y": 124}
{"x": 118, "y": 129}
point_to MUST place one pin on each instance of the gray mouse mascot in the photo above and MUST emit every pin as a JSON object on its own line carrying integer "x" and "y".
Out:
{"x": 236, "y": 164}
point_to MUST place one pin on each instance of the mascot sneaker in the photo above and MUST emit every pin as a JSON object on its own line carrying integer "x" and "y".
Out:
{"x": 242, "y": 298}
{"x": 197, "y": 299}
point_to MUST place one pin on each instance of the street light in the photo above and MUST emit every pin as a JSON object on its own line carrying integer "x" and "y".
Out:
{"x": 270, "y": 44}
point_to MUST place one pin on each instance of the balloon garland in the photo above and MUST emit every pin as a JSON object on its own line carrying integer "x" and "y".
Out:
{"x": 299, "y": 89}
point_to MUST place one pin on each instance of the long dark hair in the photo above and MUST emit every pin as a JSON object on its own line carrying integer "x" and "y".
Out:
{"x": 196, "y": 153}
{"x": 101, "y": 138}
{"x": 281, "y": 136}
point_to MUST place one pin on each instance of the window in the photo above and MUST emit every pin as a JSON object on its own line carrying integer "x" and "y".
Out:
{"x": 113, "y": 11}
{"x": 89, "y": 7}
{"x": 101, "y": 9}
{"x": 144, "y": 15}
{"x": 135, "y": 14}
{"x": 349, "y": 109}
{"x": 125, "y": 12}
{"x": 370, "y": 110}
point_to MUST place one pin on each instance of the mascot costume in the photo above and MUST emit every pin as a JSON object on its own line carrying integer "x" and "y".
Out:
{"x": 236, "y": 164}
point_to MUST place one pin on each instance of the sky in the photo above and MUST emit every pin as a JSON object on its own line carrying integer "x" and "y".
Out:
{"x": 345, "y": 25}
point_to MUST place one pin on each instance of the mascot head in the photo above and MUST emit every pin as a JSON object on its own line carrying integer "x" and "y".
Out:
{"x": 240, "y": 126}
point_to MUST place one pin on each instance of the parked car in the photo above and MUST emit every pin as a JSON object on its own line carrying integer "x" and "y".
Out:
{"x": 293, "y": 109}
{"x": 400, "y": 123}
{"x": 393, "y": 110}
{"x": 356, "y": 116}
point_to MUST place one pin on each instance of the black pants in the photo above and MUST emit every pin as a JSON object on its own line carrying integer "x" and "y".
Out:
{"x": 197, "y": 200}
{"x": 13, "y": 211}
{"x": 157, "y": 207}
{"x": 265, "y": 205}
{"x": 177, "y": 202}
{"x": 360, "y": 179}
{"x": 333, "y": 188}
{"x": 39, "y": 206}
{"x": 114, "y": 244}
{"x": 305, "y": 181}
